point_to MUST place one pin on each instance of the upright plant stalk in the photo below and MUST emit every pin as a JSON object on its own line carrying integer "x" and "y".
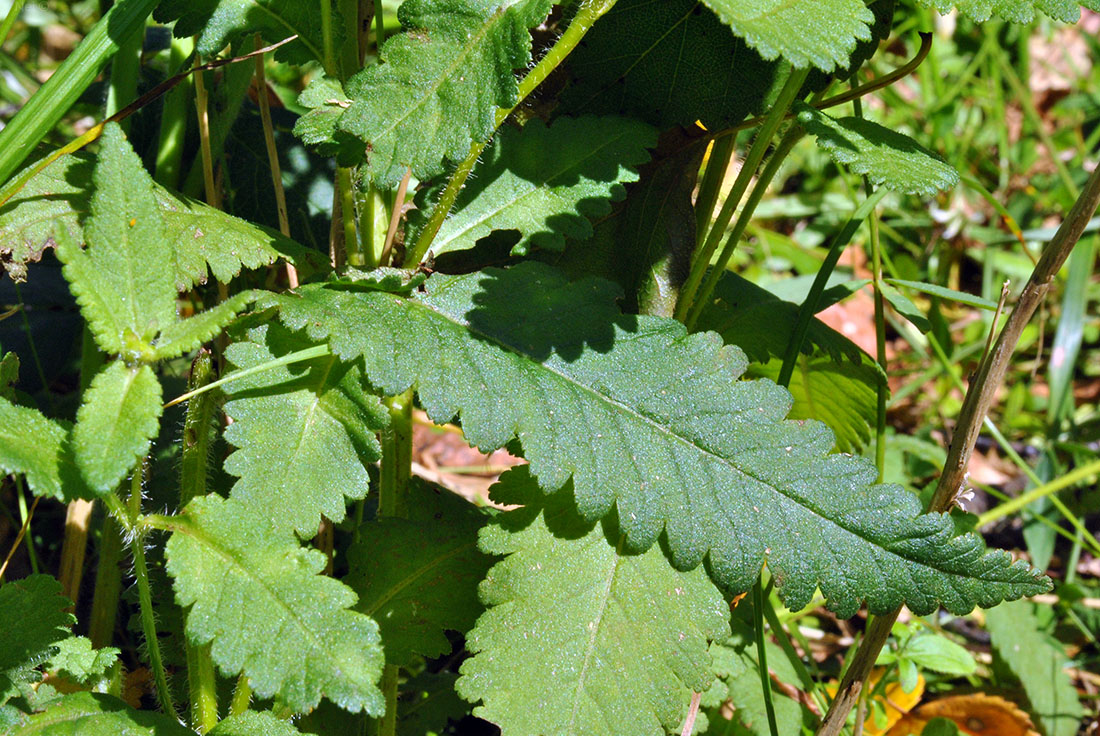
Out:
{"x": 173, "y": 118}
{"x": 881, "y": 388}
{"x": 9, "y": 20}
{"x": 793, "y": 135}
{"x": 718, "y": 163}
{"x": 393, "y": 489}
{"x": 976, "y": 405}
{"x": 809, "y": 307}
{"x": 194, "y": 459}
{"x": 108, "y": 584}
{"x": 202, "y": 110}
{"x": 752, "y": 160}
{"x": 273, "y": 157}
{"x": 588, "y": 13}
{"x": 145, "y": 593}
{"x": 762, "y": 654}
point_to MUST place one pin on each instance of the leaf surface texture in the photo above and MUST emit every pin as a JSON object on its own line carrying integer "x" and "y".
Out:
{"x": 613, "y": 643}
{"x": 804, "y": 32}
{"x": 439, "y": 84}
{"x": 261, "y": 602}
{"x": 546, "y": 182}
{"x": 304, "y": 432}
{"x": 886, "y": 157}
{"x": 654, "y": 423}
{"x": 418, "y": 577}
{"x": 116, "y": 423}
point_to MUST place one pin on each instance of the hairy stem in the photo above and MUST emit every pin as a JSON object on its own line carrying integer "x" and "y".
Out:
{"x": 393, "y": 489}
{"x": 145, "y": 595}
{"x": 108, "y": 584}
{"x": 588, "y": 13}
{"x": 195, "y": 456}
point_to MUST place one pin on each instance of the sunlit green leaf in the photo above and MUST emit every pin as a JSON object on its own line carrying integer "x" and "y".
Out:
{"x": 888, "y": 158}
{"x": 613, "y": 643}
{"x": 36, "y": 619}
{"x": 653, "y": 422}
{"x": 115, "y": 424}
{"x": 1017, "y": 11}
{"x": 546, "y": 182}
{"x": 304, "y": 433}
{"x": 37, "y": 447}
{"x": 803, "y": 32}
{"x": 438, "y": 86}
{"x": 260, "y": 601}
{"x": 96, "y": 714}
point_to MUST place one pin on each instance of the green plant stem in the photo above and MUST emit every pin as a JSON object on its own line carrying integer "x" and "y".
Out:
{"x": 108, "y": 584}
{"x": 349, "y": 49}
{"x": 718, "y": 163}
{"x": 976, "y": 405}
{"x": 174, "y": 118}
{"x": 779, "y": 155}
{"x": 145, "y": 596}
{"x": 762, "y": 654}
{"x": 393, "y": 487}
{"x": 1068, "y": 480}
{"x": 353, "y": 250}
{"x": 25, "y": 521}
{"x": 587, "y": 14}
{"x": 881, "y": 388}
{"x": 125, "y": 69}
{"x": 396, "y": 457}
{"x": 701, "y": 260}
{"x": 194, "y": 459}
{"x": 328, "y": 51}
{"x": 809, "y": 307}
{"x": 242, "y": 696}
{"x": 46, "y": 107}
{"x": 9, "y": 20}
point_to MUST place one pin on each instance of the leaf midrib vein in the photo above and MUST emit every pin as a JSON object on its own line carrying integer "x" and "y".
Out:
{"x": 665, "y": 431}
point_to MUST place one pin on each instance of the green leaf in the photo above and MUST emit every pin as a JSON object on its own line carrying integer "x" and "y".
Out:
{"x": 841, "y": 394}
{"x": 1017, "y": 11}
{"x": 96, "y": 714}
{"x": 669, "y": 63}
{"x": 54, "y": 204}
{"x": 76, "y": 659}
{"x": 9, "y": 376}
{"x": 115, "y": 424}
{"x": 653, "y": 422}
{"x": 834, "y": 380}
{"x": 428, "y": 702}
{"x": 218, "y": 23}
{"x": 887, "y": 157}
{"x": 183, "y": 336}
{"x": 418, "y": 577}
{"x": 940, "y": 654}
{"x": 38, "y": 448}
{"x": 384, "y": 278}
{"x": 304, "y": 433}
{"x": 254, "y": 723}
{"x": 262, "y": 603}
{"x": 546, "y": 182}
{"x": 612, "y": 643}
{"x": 36, "y": 619}
{"x": 803, "y": 32}
{"x": 1039, "y": 663}
{"x": 123, "y": 279}
{"x": 906, "y": 308}
{"x": 944, "y": 293}
{"x": 439, "y": 84}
